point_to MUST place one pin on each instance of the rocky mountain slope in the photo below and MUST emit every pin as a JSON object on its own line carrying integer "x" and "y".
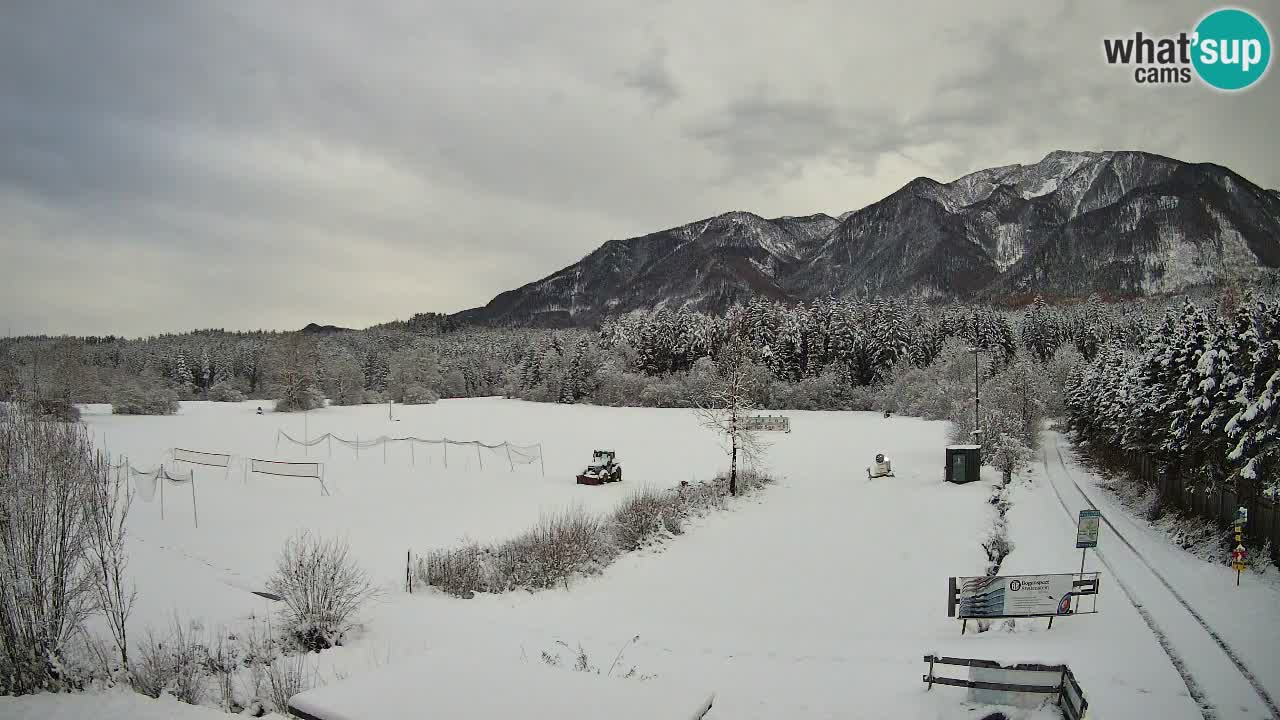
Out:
{"x": 1116, "y": 223}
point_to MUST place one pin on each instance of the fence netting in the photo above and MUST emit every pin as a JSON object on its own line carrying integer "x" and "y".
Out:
{"x": 465, "y": 451}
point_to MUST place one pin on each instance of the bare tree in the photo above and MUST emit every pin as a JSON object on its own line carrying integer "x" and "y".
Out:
{"x": 107, "y": 511}
{"x": 727, "y": 403}
{"x": 46, "y": 582}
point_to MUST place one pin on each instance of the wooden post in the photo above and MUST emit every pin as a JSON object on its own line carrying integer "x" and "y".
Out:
{"x": 509, "y": 462}
{"x": 408, "y": 570}
{"x": 329, "y": 440}
{"x": 195, "y": 513}
{"x": 160, "y": 480}
{"x": 1050, "y": 623}
{"x": 478, "y": 458}
{"x": 446, "y": 452}
{"x": 963, "y": 625}
{"x": 357, "y": 446}
{"x": 412, "y": 454}
{"x": 540, "y": 462}
{"x": 931, "y": 659}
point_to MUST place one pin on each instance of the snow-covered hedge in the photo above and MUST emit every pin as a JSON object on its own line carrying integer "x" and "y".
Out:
{"x": 573, "y": 543}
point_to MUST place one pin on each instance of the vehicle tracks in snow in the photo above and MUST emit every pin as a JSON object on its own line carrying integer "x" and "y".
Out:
{"x": 1207, "y": 707}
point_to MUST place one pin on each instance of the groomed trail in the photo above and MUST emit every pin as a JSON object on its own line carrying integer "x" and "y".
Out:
{"x": 1218, "y": 677}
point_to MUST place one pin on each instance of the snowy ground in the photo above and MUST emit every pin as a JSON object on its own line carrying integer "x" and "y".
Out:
{"x": 817, "y": 598}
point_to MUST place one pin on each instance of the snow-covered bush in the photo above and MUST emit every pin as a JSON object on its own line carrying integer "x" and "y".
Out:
{"x": 48, "y": 473}
{"x": 561, "y": 545}
{"x": 286, "y": 677}
{"x": 645, "y": 514}
{"x": 322, "y": 588}
{"x": 176, "y": 663}
{"x": 418, "y": 395}
{"x": 225, "y": 392}
{"x": 134, "y": 399}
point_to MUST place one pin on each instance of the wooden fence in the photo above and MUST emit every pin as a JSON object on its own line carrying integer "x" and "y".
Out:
{"x": 1218, "y": 503}
{"x": 1032, "y": 678}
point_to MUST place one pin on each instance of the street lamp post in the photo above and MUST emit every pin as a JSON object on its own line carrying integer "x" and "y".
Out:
{"x": 976, "y": 349}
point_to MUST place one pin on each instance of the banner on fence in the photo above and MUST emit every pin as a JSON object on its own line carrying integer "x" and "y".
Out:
{"x": 197, "y": 457}
{"x": 1004, "y": 596}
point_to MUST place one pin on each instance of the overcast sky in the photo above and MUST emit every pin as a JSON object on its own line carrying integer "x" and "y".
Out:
{"x": 246, "y": 164}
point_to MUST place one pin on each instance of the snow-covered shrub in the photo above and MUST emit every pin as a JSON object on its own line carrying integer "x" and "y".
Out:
{"x": 322, "y": 589}
{"x": 151, "y": 670}
{"x": 176, "y": 663}
{"x": 48, "y": 472}
{"x": 560, "y": 545}
{"x": 997, "y": 543}
{"x": 573, "y": 542}
{"x": 286, "y": 677}
{"x": 645, "y": 514}
{"x": 419, "y": 395}
{"x": 458, "y": 571}
{"x": 134, "y": 399}
{"x": 225, "y": 392}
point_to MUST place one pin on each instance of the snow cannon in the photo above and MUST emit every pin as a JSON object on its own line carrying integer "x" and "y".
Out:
{"x": 882, "y": 467}
{"x": 603, "y": 469}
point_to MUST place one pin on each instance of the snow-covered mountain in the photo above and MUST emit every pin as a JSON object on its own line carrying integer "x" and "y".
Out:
{"x": 1075, "y": 223}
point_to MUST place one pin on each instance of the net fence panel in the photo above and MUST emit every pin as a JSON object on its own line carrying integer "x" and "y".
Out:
{"x": 308, "y": 443}
{"x": 197, "y": 457}
{"x": 507, "y": 452}
{"x": 174, "y": 476}
{"x": 145, "y": 482}
{"x": 286, "y": 469}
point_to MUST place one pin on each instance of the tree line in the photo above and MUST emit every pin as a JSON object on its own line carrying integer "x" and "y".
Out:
{"x": 1198, "y": 395}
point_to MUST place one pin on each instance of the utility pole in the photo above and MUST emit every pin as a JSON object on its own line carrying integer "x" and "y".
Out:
{"x": 977, "y": 431}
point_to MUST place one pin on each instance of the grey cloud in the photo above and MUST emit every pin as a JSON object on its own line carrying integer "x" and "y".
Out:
{"x": 167, "y": 165}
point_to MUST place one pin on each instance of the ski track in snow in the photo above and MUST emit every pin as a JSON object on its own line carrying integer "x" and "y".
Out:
{"x": 1199, "y": 673}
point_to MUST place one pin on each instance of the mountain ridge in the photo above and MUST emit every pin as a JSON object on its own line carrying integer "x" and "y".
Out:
{"x": 1117, "y": 223}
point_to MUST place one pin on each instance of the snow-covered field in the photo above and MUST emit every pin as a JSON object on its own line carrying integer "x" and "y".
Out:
{"x": 816, "y": 598}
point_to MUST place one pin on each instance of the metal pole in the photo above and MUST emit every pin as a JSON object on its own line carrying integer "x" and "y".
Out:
{"x": 413, "y": 456}
{"x": 509, "y": 462}
{"x": 542, "y": 464}
{"x": 446, "y": 452}
{"x": 195, "y": 513}
{"x": 306, "y": 435}
{"x": 357, "y": 446}
{"x": 478, "y": 458}
{"x": 1082, "y": 552}
{"x": 160, "y": 480}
